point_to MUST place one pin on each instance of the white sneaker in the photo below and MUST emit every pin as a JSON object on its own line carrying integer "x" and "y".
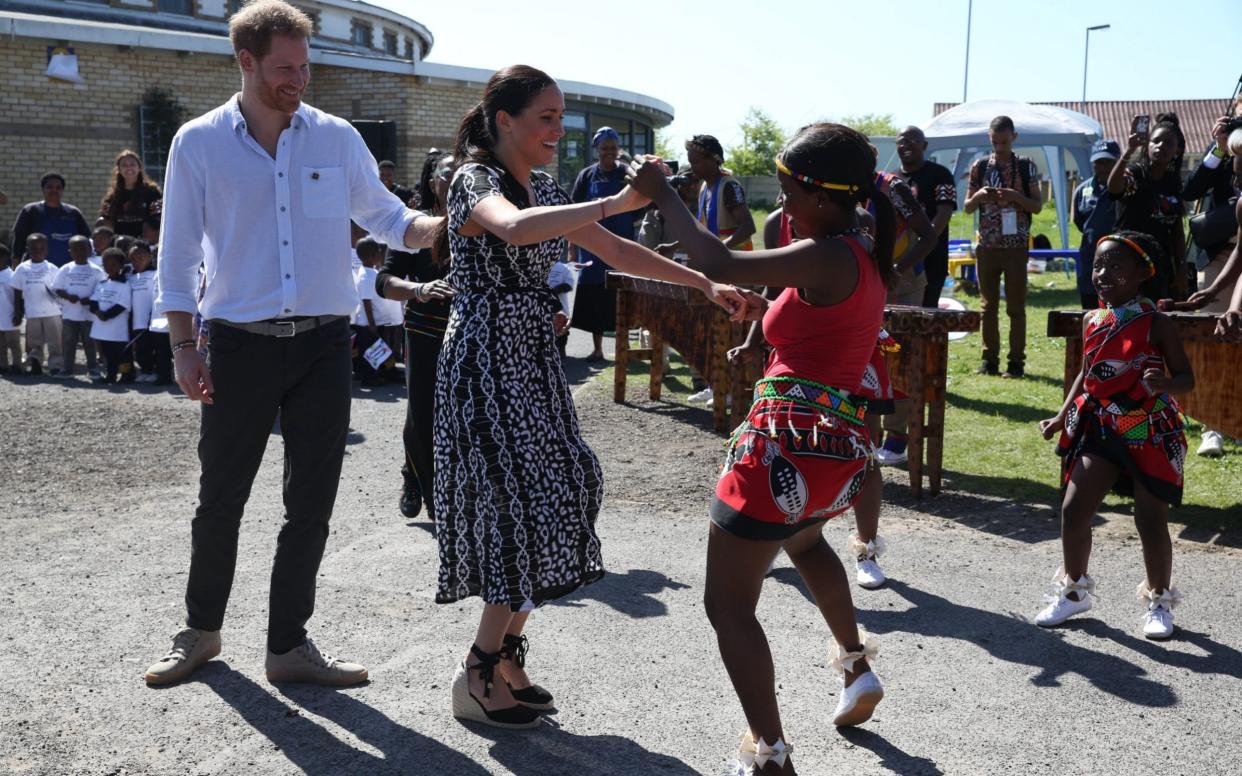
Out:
{"x": 1213, "y": 445}
{"x": 858, "y": 700}
{"x": 887, "y": 457}
{"x": 868, "y": 574}
{"x": 1060, "y": 606}
{"x": 702, "y": 397}
{"x": 1158, "y": 622}
{"x": 95, "y": 373}
{"x": 867, "y": 568}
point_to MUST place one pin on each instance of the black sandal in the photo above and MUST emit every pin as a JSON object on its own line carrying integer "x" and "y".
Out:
{"x": 467, "y": 707}
{"x": 534, "y": 697}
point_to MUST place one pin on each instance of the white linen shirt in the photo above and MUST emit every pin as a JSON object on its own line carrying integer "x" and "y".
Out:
{"x": 273, "y": 234}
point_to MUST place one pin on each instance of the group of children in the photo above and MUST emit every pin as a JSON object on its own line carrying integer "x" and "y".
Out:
{"x": 102, "y": 299}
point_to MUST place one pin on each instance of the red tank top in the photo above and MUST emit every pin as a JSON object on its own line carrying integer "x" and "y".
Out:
{"x": 830, "y": 345}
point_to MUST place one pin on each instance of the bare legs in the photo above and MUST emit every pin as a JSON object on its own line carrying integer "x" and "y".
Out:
{"x": 735, "y": 571}
{"x": 493, "y": 625}
{"x": 1089, "y": 484}
{"x": 867, "y": 507}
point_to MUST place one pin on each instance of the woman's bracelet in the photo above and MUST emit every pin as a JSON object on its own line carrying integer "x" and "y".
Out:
{"x": 182, "y": 345}
{"x": 418, "y": 292}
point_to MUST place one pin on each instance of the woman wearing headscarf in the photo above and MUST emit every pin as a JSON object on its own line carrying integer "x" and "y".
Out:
{"x": 595, "y": 307}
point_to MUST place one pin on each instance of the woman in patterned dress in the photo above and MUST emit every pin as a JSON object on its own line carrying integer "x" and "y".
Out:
{"x": 517, "y": 490}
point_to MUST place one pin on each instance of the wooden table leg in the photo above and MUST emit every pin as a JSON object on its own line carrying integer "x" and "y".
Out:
{"x": 1073, "y": 363}
{"x": 718, "y": 368}
{"x": 657, "y": 366}
{"x": 621, "y": 367}
{"x": 937, "y": 368}
{"x": 914, "y": 364}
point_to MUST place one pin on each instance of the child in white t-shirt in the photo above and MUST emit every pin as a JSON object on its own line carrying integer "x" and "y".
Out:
{"x": 141, "y": 348}
{"x": 561, "y": 280}
{"x": 10, "y": 332}
{"x": 161, "y": 347}
{"x": 34, "y": 299}
{"x": 74, "y": 284}
{"x": 101, "y": 240}
{"x": 367, "y": 318}
{"x": 110, "y": 305}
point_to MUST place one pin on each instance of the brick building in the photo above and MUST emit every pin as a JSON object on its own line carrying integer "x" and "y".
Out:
{"x": 144, "y": 63}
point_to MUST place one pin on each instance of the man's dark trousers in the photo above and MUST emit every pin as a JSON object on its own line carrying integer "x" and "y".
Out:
{"x": 306, "y": 378}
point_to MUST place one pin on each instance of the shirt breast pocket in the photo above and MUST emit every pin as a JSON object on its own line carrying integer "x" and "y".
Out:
{"x": 323, "y": 192}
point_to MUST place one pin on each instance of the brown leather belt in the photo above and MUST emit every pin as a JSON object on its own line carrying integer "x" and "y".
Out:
{"x": 282, "y": 327}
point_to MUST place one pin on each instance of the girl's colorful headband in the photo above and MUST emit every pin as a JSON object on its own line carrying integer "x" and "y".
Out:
{"x": 1132, "y": 245}
{"x": 852, "y": 188}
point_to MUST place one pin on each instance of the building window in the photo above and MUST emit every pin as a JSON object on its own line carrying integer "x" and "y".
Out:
{"x": 409, "y": 47}
{"x": 390, "y": 43}
{"x": 182, "y": 7}
{"x": 234, "y": 6}
{"x": 159, "y": 117}
{"x": 360, "y": 33}
{"x": 314, "y": 17}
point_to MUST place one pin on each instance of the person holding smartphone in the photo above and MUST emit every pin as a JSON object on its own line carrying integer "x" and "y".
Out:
{"x": 1147, "y": 184}
{"x": 1004, "y": 191}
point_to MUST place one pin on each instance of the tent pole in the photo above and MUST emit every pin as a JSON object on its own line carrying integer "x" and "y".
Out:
{"x": 970, "y": 5}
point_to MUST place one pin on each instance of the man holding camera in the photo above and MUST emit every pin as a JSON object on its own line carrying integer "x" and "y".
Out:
{"x": 1004, "y": 191}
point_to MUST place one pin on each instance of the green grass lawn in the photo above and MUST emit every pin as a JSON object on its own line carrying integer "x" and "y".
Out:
{"x": 992, "y": 444}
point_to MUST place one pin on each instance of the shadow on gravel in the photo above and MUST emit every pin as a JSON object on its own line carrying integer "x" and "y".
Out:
{"x": 892, "y": 758}
{"x": 1218, "y": 658}
{"x": 699, "y": 417}
{"x": 1011, "y": 519}
{"x": 551, "y": 751}
{"x": 315, "y": 750}
{"x": 1012, "y": 639}
{"x": 632, "y": 593}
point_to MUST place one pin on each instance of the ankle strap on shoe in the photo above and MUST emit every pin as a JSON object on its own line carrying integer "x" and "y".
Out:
{"x": 486, "y": 667}
{"x": 1170, "y": 598}
{"x": 844, "y": 661}
{"x": 515, "y": 648}
{"x": 756, "y": 754}
{"x": 874, "y": 548}
{"x": 1063, "y": 585}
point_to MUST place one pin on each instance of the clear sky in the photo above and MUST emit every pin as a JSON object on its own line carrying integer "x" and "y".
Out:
{"x": 802, "y": 60}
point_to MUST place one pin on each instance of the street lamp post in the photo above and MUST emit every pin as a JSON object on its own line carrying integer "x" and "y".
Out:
{"x": 1086, "y": 49}
{"x": 970, "y": 7}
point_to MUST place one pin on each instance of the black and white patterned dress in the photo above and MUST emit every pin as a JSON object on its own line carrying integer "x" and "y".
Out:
{"x": 517, "y": 490}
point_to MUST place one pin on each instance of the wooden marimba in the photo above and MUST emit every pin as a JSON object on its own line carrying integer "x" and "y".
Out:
{"x": 1216, "y": 401}
{"x": 920, "y": 370}
{"x": 693, "y": 326}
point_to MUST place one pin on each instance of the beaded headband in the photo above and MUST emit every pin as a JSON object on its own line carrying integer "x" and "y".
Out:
{"x": 1132, "y": 245}
{"x": 708, "y": 152}
{"x": 852, "y": 188}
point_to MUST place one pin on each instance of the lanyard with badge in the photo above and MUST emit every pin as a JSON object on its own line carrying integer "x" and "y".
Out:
{"x": 1009, "y": 215}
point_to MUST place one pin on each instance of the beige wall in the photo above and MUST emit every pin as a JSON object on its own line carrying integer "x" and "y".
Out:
{"x": 77, "y": 130}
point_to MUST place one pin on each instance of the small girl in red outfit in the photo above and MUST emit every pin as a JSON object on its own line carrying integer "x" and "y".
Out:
{"x": 1121, "y": 430}
{"x": 801, "y": 456}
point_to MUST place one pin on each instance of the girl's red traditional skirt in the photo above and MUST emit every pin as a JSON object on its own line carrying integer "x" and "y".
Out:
{"x": 877, "y": 388}
{"x": 1145, "y": 439}
{"x": 799, "y": 459}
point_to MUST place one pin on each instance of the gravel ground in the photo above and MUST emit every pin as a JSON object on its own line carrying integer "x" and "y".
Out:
{"x": 100, "y": 484}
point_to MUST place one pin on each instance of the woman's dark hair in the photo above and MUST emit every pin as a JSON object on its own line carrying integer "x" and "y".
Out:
{"x": 834, "y": 153}
{"x": 426, "y": 192}
{"x": 509, "y": 90}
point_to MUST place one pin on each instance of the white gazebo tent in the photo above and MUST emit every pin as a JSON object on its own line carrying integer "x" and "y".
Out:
{"x": 1053, "y": 129}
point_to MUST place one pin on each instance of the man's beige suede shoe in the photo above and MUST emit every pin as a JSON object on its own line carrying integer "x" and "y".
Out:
{"x": 191, "y": 648}
{"x": 305, "y": 663}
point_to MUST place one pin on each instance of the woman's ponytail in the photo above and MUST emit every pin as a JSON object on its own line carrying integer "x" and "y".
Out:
{"x": 474, "y": 140}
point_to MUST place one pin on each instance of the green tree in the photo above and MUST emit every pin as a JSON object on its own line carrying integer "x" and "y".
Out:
{"x": 664, "y": 146}
{"x": 872, "y": 124}
{"x": 762, "y": 139}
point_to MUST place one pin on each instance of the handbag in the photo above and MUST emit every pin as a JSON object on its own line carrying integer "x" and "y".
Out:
{"x": 1214, "y": 228}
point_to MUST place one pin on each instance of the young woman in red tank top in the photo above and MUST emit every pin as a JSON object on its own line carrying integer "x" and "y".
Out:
{"x": 800, "y": 457}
